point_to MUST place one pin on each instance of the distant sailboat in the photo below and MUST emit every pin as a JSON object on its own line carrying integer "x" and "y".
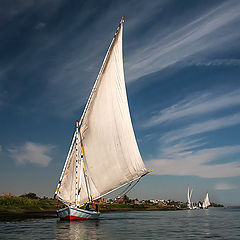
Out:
{"x": 206, "y": 202}
{"x": 103, "y": 155}
{"x": 189, "y": 195}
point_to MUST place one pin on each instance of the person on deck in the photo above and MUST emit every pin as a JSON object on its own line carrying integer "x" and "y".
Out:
{"x": 97, "y": 208}
{"x": 87, "y": 207}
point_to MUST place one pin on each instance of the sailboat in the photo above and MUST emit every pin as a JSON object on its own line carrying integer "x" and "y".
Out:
{"x": 206, "y": 202}
{"x": 189, "y": 195}
{"x": 103, "y": 155}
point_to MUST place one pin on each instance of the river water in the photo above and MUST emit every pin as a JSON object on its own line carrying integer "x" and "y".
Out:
{"x": 194, "y": 224}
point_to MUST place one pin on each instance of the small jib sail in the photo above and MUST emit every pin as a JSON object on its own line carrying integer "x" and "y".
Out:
{"x": 104, "y": 154}
{"x": 206, "y": 202}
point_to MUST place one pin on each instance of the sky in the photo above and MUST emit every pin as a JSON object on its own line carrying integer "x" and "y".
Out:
{"x": 182, "y": 68}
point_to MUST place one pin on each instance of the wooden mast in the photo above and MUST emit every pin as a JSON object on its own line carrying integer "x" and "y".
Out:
{"x": 77, "y": 163}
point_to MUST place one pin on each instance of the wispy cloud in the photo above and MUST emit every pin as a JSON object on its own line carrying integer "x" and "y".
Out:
{"x": 10, "y": 11}
{"x": 65, "y": 61}
{"x": 34, "y": 153}
{"x": 225, "y": 186}
{"x": 182, "y": 151}
{"x": 182, "y": 148}
{"x": 214, "y": 62}
{"x": 77, "y": 71}
{"x": 40, "y": 25}
{"x": 200, "y": 35}
{"x": 64, "y": 58}
{"x": 196, "y": 105}
{"x": 200, "y": 163}
{"x": 0, "y": 148}
{"x": 202, "y": 127}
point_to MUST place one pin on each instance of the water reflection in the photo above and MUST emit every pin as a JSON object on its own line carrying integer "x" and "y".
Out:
{"x": 206, "y": 211}
{"x": 197, "y": 224}
{"x": 189, "y": 213}
{"x": 78, "y": 230}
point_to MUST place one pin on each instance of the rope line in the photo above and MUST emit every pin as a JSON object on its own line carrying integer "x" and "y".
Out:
{"x": 133, "y": 186}
{"x": 122, "y": 193}
{"x": 126, "y": 190}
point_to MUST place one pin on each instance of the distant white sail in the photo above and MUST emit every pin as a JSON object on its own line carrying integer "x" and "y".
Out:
{"x": 110, "y": 153}
{"x": 206, "y": 201}
{"x": 189, "y": 195}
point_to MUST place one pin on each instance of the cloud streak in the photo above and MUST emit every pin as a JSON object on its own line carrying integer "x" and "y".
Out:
{"x": 182, "y": 152}
{"x": 40, "y": 26}
{"x": 33, "y": 153}
{"x": 225, "y": 186}
{"x": 194, "y": 106}
{"x": 67, "y": 65}
{"x": 199, "y": 163}
{"x": 202, "y": 127}
{"x": 215, "y": 62}
{"x": 200, "y": 35}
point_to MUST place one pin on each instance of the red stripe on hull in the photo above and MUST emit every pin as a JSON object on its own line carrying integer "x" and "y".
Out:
{"x": 74, "y": 218}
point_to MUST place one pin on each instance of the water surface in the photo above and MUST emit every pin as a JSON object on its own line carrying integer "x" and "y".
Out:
{"x": 195, "y": 224}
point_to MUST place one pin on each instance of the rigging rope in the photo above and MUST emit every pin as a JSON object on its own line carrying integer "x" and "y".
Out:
{"x": 133, "y": 186}
{"x": 126, "y": 190}
{"x": 122, "y": 193}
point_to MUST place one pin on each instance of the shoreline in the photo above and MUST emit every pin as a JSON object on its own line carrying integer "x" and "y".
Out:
{"x": 23, "y": 215}
{"x": 15, "y": 216}
{"x": 51, "y": 213}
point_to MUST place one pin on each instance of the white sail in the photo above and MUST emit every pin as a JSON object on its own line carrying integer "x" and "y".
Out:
{"x": 189, "y": 195}
{"x": 66, "y": 190}
{"x": 110, "y": 152}
{"x": 206, "y": 201}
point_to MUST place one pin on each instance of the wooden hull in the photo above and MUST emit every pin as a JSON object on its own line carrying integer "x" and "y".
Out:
{"x": 72, "y": 213}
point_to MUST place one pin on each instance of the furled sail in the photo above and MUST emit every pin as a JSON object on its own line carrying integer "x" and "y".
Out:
{"x": 110, "y": 153}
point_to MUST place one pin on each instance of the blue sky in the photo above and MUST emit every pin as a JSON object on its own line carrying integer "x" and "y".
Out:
{"x": 182, "y": 68}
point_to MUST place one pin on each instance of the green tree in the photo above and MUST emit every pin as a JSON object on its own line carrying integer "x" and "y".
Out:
{"x": 126, "y": 199}
{"x": 30, "y": 195}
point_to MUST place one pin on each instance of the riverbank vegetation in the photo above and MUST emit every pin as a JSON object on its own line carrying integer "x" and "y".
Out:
{"x": 31, "y": 206}
{"x": 25, "y": 206}
{"x": 135, "y": 207}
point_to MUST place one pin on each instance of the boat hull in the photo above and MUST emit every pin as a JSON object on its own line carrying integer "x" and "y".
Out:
{"x": 72, "y": 214}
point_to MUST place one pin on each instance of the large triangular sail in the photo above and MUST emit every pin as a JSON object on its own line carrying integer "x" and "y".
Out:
{"x": 110, "y": 153}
